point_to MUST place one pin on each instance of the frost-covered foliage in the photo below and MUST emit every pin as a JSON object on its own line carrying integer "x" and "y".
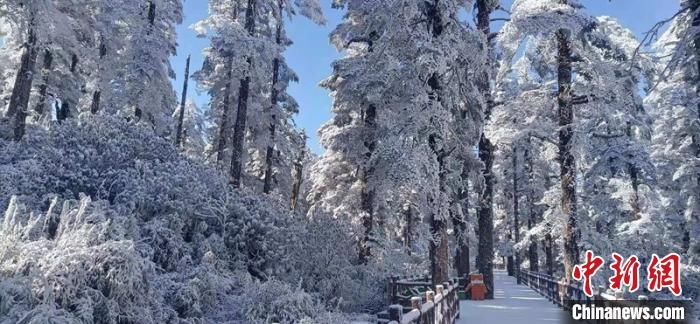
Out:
{"x": 406, "y": 112}
{"x": 636, "y": 159}
{"x": 144, "y": 235}
{"x": 674, "y": 102}
{"x": 194, "y": 141}
{"x": 147, "y": 94}
{"x": 247, "y": 53}
{"x": 81, "y": 58}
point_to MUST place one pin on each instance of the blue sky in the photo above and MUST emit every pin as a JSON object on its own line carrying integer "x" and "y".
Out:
{"x": 311, "y": 54}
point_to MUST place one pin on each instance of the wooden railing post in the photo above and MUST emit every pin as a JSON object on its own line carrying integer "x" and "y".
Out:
{"x": 441, "y": 304}
{"x": 430, "y": 298}
{"x": 449, "y": 307}
{"x": 416, "y": 302}
{"x": 395, "y": 313}
{"x": 393, "y": 290}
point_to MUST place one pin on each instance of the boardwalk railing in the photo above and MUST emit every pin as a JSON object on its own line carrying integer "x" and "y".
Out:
{"x": 562, "y": 294}
{"x": 555, "y": 290}
{"x": 425, "y": 306}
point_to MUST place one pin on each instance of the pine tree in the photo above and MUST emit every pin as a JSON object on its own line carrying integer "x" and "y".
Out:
{"x": 673, "y": 103}
{"x": 423, "y": 121}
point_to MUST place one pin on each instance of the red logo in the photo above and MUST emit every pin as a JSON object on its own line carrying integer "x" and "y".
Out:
{"x": 587, "y": 270}
{"x": 661, "y": 272}
{"x": 626, "y": 274}
{"x": 665, "y": 273}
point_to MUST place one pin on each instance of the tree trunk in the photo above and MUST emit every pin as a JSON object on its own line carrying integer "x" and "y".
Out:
{"x": 533, "y": 257}
{"x": 367, "y": 211}
{"x": 459, "y": 225}
{"x": 369, "y": 118}
{"x": 226, "y": 108}
{"x": 138, "y": 112}
{"x": 181, "y": 118}
{"x": 439, "y": 250}
{"x": 634, "y": 179}
{"x": 19, "y": 100}
{"x": 485, "y": 213}
{"x": 408, "y": 230}
{"x": 298, "y": 178}
{"x": 367, "y": 191}
{"x": 63, "y": 112}
{"x": 566, "y": 157}
{"x": 532, "y": 254}
{"x": 274, "y": 93}
{"x": 509, "y": 260}
{"x": 96, "y": 97}
{"x": 696, "y": 139}
{"x": 239, "y": 127}
{"x": 548, "y": 255}
{"x": 439, "y": 245}
{"x": 151, "y": 12}
{"x": 41, "y": 106}
{"x": 516, "y": 213}
{"x": 97, "y": 94}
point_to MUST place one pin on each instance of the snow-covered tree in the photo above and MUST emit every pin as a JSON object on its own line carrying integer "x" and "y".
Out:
{"x": 674, "y": 103}
{"x": 403, "y": 110}
{"x": 585, "y": 67}
{"x": 147, "y": 94}
{"x": 246, "y": 76}
{"x": 42, "y": 32}
{"x": 193, "y": 139}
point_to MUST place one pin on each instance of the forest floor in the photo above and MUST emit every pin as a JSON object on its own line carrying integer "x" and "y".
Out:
{"x": 513, "y": 303}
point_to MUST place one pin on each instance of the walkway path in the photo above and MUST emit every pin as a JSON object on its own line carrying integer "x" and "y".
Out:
{"x": 513, "y": 303}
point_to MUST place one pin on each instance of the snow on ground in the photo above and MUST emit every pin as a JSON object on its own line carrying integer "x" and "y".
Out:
{"x": 513, "y": 303}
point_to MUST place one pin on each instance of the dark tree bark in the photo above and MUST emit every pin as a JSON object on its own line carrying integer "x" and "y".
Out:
{"x": 274, "y": 94}
{"x": 367, "y": 210}
{"x": 634, "y": 179}
{"x": 548, "y": 254}
{"x": 516, "y": 213}
{"x": 138, "y": 112}
{"x": 43, "y": 89}
{"x": 533, "y": 256}
{"x": 695, "y": 4}
{"x": 64, "y": 112}
{"x": 408, "y": 230}
{"x": 459, "y": 225}
{"x": 181, "y": 118}
{"x": 19, "y": 100}
{"x": 74, "y": 60}
{"x": 439, "y": 249}
{"x": 566, "y": 157}
{"x": 439, "y": 245}
{"x": 367, "y": 195}
{"x": 97, "y": 94}
{"x": 225, "y": 115}
{"x": 510, "y": 269}
{"x": 151, "y": 12}
{"x": 239, "y": 126}
{"x": 96, "y": 98}
{"x": 485, "y": 212}
{"x": 298, "y": 177}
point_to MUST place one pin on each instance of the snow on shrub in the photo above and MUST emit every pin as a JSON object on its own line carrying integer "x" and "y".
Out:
{"x": 79, "y": 271}
{"x": 144, "y": 234}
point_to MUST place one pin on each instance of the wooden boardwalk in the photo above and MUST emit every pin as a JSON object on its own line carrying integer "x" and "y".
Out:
{"x": 513, "y": 303}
